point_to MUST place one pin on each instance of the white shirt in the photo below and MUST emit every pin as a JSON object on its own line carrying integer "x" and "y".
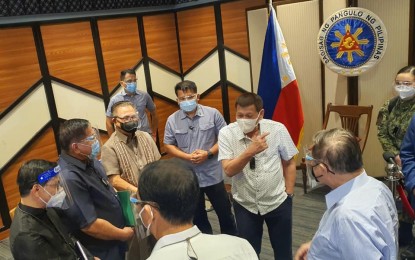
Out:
{"x": 263, "y": 188}
{"x": 360, "y": 222}
{"x": 201, "y": 246}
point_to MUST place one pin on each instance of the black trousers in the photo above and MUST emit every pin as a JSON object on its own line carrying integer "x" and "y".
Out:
{"x": 219, "y": 199}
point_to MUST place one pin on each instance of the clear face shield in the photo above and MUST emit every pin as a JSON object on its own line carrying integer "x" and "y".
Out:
{"x": 54, "y": 184}
{"x": 142, "y": 230}
{"x": 312, "y": 182}
{"x": 93, "y": 140}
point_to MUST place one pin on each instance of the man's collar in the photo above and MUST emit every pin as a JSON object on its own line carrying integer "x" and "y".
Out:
{"x": 340, "y": 192}
{"x": 199, "y": 112}
{"x": 124, "y": 93}
{"x": 176, "y": 237}
{"x": 72, "y": 160}
{"x": 124, "y": 138}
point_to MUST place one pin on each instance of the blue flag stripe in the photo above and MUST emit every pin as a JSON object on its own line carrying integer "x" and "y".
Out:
{"x": 269, "y": 86}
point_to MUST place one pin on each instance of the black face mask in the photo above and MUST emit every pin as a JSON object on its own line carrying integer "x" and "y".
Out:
{"x": 130, "y": 127}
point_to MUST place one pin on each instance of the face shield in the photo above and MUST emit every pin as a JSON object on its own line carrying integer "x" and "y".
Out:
{"x": 60, "y": 196}
{"x": 93, "y": 140}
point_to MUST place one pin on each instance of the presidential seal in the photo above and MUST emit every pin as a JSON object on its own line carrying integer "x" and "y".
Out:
{"x": 351, "y": 41}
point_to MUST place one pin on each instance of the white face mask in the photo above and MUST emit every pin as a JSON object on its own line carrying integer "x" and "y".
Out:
{"x": 248, "y": 125}
{"x": 405, "y": 92}
{"x": 144, "y": 231}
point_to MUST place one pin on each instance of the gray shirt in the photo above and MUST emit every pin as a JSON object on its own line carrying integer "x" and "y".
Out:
{"x": 199, "y": 132}
{"x": 141, "y": 100}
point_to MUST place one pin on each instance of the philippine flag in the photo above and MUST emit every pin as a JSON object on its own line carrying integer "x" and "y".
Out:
{"x": 277, "y": 82}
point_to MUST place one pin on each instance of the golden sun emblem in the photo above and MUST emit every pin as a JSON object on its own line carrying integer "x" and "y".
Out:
{"x": 349, "y": 43}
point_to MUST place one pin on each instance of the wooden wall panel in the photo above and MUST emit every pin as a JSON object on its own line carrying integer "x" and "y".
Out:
{"x": 233, "y": 94}
{"x": 164, "y": 110}
{"x": 19, "y": 68}
{"x": 120, "y": 44}
{"x": 197, "y": 34}
{"x": 43, "y": 148}
{"x": 213, "y": 99}
{"x": 70, "y": 54}
{"x": 234, "y": 23}
{"x": 160, "y": 31}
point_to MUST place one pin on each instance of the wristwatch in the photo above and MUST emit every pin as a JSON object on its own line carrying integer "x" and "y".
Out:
{"x": 290, "y": 195}
{"x": 210, "y": 154}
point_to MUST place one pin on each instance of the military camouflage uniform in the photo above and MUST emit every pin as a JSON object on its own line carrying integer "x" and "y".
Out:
{"x": 393, "y": 122}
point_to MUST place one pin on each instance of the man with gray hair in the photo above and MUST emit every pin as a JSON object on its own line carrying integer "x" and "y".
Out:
{"x": 361, "y": 221}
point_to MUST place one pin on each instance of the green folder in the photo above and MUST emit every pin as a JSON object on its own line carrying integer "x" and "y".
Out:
{"x": 127, "y": 210}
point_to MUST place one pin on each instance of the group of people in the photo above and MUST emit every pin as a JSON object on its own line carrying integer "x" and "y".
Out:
{"x": 75, "y": 207}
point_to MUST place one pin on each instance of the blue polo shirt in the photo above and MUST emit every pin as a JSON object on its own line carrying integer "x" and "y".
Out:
{"x": 141, "y": 100}
{"x": 93, "y": 197}
{"x": 199, "y": 132}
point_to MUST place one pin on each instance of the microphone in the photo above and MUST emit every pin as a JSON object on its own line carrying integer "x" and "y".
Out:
{"x": 191, "y": 127}
{"x": 389, "y": 157}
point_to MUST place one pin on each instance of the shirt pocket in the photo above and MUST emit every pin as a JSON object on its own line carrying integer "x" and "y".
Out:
{"x": 207, "y": 132}
{"x": 182, "y": 138}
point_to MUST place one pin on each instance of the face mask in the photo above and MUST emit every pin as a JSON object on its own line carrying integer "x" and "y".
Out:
{"x": 131, "y": 87}
{"x": 131, "y": 127}
{"x": 142, "y": 229}
{"x": 95, "y": 150}
{"x": 56, "y": 201}
{"x": 247, "y": 125}
{"x": 188, "y": 105}
{"x": 405, "y": 92}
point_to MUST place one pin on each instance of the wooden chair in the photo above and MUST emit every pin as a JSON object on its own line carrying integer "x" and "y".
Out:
{"x": 349, "y": 118}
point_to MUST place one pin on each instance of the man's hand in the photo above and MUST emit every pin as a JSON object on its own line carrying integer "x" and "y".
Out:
{"x": 301, "y": 253}
{"x": 199, "y": 156}
{"x": 398, "y": 160}
{"x": 259, "y": 144}
{"x": 128, "y": 232}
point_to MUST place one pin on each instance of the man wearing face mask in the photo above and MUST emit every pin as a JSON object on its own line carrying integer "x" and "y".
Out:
{"x": 141, "y": 100}
{"x": 37, "y": 231}
{"x": 123, "y": 156}
{"x": 191, "y": 134}
{"x": 361, "y": 221}
{"x": 259, "y": 156}
{"x": 95, "y": 218}
{"x": 392, "y": 123}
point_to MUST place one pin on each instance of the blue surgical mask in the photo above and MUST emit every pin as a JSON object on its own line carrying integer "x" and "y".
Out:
{"x": 95, "y": 150}
{"x": 131, "y": 87}
{"x": 188, "y": 105}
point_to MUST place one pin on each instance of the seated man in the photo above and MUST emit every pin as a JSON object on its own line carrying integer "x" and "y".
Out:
{"x": 166, "y": 204}
{"x": 361, "y": 221}
{"x": 37, "y": 232}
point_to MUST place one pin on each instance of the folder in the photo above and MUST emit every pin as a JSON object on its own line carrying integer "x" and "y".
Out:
{"x": 127, "y": 209}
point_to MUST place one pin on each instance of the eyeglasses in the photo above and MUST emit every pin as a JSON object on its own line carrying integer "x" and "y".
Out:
{"x": 128, "y": 118}
{"x": 143, "y": 202}
{"x": 404, "y": 83}
{"x": 309, "y": 159}
{"x": 190, "y": 97}
{"x": 91, "y": 138}
{"x": 130, "y": 81}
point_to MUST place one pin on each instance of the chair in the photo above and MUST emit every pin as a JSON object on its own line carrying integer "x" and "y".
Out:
{"x": 349, "y": 118}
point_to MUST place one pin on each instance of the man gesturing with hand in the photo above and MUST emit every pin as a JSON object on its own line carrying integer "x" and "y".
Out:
{"x": 259, "y": 156}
